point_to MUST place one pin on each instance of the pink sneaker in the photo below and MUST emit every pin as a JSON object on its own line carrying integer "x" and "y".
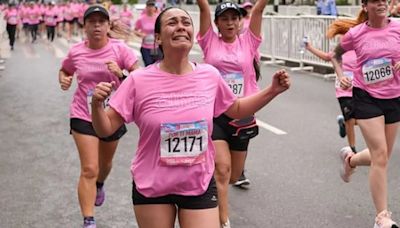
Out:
{"x": 100, "y": 197}
{"x": 345, "y": 172}
{"x": 383, "y": 220}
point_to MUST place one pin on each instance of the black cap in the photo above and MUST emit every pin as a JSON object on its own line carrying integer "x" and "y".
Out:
{"x": 96, "y": 9}
{"x": 224, "y": 6}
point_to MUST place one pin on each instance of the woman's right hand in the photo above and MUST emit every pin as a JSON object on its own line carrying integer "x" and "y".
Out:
{"x": 65, "y": 81}
{"x": 102, "y": 91}
{"x": 345, "y": 82}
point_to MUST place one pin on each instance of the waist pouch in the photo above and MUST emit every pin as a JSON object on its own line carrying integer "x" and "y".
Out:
{"x": 244, "y": 129}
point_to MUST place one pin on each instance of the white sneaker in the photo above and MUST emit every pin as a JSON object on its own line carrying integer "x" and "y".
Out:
{"x": 383, "y": 220}
{"x": 346, "y": 170}
{"x": 227, "y": 224}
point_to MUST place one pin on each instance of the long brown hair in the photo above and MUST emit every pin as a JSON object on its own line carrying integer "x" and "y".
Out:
{"x": 118, "y": 30}
{"x": 341, "y": 26}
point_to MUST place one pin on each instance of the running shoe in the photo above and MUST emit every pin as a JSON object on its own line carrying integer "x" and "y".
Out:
{"x": 342, "y": 128}
{"x": 345, "y": 172}
{"x": 227, "y": 224}
{"x": 100, "y": 196}
{"x": 384, "y": 220}
{"x": 243, "y": 181}
{"x": 89, "y": 224}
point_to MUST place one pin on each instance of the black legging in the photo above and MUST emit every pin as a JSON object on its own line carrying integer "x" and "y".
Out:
{"x": 50, "y": 32}
{"x": 11, "y": 33}
{"x": 34, "y": 30}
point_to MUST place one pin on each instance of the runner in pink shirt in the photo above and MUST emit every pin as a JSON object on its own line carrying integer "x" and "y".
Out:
{"x": 11, "y": 16}
{"x": 173, "y": 103}
{"x": 126, "y": 16}
{"x": 33, "y": 13}
{"x": 60, "y": 18}
{"x": 233, "y": 54}
{"x": 245, "y": 22}
{"x": 68, "y": 19}
{"x": 376, "y": 92}
{"x": 97, "y": 59}
{"x": 50, "y": 20}
{"x": 144, "y": 28}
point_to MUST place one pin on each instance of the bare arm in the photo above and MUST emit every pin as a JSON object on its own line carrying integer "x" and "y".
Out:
{"x": 256, "y": 17}
{"x": 205, "y": 16}
{"x": 319, "y": 53}
{"x": 134, "y": 66}
{"x": 247, "y": 106}
{"x": 105, "y": 122}
{"x": 345, "y": 82}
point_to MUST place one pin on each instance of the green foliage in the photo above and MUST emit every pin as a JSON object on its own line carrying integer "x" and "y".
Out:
{"x": 342, "y": 3}
{"x": 118, "y": 2}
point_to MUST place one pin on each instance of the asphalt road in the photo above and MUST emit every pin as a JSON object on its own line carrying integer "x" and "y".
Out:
{"x": 294, "y": 176}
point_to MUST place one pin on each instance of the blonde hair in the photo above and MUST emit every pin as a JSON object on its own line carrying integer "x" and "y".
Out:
{"x": 341, "y": 26}
{"x": 118, "y": 30}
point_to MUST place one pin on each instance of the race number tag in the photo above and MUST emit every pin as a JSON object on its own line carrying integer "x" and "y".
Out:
{"x": 183, "y": 144}
{"x": 235, "y": 81}
{"x": 12, "y": 20}
{"x": 377, "y": 70}
{"x": 149, "y": 39}
{"x": 49, "y": 19}
{"x": 89, "y": 100}
{"x": 348, "y": 74}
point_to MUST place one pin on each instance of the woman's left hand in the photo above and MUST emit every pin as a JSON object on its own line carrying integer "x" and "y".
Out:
{"x": 280, "y": 81}
{"x": 114, "y": 68}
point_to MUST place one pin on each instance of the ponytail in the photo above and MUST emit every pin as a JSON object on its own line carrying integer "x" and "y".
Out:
{"x": 118, "y": 30}
{"x": 341, "y": 26}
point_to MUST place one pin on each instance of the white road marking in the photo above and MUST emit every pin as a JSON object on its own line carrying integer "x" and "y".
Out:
{"x": 270, "y": 128}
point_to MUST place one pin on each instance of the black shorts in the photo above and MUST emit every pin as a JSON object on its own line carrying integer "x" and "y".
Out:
{"x": 223, "y": 131}
{"x": 209, "y": 199}
{"x": 346, "y": 105}
{"x": 86, "y": 128}
{"x": 366, "y": 106}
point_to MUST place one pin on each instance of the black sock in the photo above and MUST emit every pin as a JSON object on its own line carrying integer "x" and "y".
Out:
{"x": 88, "y": 219}
{"x": 353, "y": 148}
{"x": 99, "y": 184}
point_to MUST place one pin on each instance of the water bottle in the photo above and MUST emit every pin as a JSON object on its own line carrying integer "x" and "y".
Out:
{"x": 303, "y": 44}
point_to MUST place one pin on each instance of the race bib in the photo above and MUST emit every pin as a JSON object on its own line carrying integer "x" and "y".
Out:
{"x": 149, "y": 39}
{"x": 348, "y": 74}
{"x": 183, "y": 144}
{"x": 49, "y": 19}
{"x": 377, "y": 70}
{"x": 89, "y": 100}
{"x": 235, "y": 81}
{"x": 12, "y": 20}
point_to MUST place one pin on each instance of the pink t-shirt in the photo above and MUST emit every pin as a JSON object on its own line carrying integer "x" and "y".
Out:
{"x": 126, "y": 17}
{"x": 90, "y": 68}
{"x": 174, "y": 114}
{"x": 11, "y": 16}
{"x": 349, "y": 68}
{"x": 33, "y": 15}
{"x": 68, "y": 14}
{"x": 377, "y": 51}
{"x": 146, "y": 25}
{"x": 60, "y": 13}
{"x": 50, "y": 16}
{"x": 233, "y": 60}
